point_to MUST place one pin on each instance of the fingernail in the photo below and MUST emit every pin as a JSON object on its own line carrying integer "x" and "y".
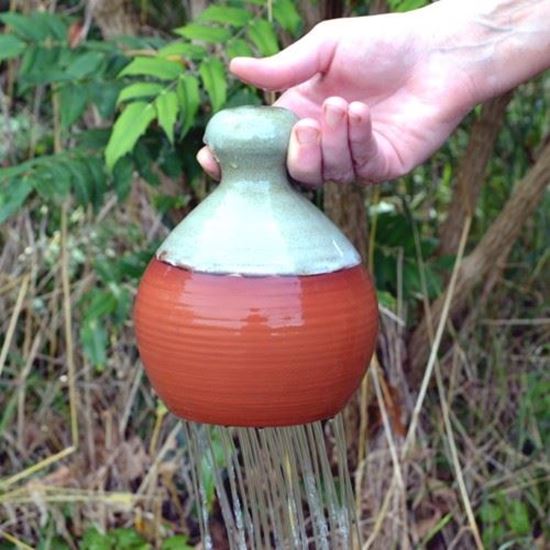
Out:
{"x": 354, "y": 118}
{"x": 333, "y": 115}
{"x": 307, "y": 135}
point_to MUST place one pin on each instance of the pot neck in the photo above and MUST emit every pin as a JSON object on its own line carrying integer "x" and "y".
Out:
{"x": 255, "y": 175}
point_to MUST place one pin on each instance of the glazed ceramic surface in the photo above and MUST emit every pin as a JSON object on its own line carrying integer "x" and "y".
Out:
{"x": 256, "y": 310}
{"x": 254, "y": 223}
{"x": 255, "y": 351}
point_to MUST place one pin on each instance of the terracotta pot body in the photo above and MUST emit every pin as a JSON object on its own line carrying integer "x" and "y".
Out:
{"x": 256, "y": 310}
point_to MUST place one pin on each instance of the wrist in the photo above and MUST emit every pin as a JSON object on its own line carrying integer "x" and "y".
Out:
{"x": 495, "y": 44}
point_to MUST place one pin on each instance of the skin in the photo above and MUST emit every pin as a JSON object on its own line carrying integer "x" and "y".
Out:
{"x": 378, "y": 95}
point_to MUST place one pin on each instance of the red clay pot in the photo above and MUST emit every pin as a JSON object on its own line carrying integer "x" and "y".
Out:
{"x": 256, "y": 310}
{"x": 255, "y": 351}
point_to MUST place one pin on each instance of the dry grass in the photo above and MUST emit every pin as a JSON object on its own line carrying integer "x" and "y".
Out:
{"x": 82, "y": 446}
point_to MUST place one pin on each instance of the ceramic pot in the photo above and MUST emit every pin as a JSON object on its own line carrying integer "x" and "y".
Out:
{"x": 256, "y": 310}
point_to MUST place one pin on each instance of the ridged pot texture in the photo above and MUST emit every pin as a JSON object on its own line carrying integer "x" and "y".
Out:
{"x": 255, "y": 351}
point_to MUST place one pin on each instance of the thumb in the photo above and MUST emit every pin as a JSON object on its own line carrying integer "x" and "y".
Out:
{"x": 290, "y": 67}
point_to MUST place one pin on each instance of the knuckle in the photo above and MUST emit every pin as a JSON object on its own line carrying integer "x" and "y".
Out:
{"x": 360, "y": 160}
{"x": 339, "y": 177}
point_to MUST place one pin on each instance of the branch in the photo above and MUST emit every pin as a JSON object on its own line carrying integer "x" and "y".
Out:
{"x": 471, "y": 171}
{"x": 488, "y": 254}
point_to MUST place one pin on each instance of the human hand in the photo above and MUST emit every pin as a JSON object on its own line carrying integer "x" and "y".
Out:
{"x": 375, "y": 96}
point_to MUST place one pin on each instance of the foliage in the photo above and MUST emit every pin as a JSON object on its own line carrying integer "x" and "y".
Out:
{"x": 171, "y": 82}
{"x": 170, "y": 85}
{"x": 406, "y": 5}
{"x": 106, "y": 127}
{"x": 127, "y": 539}
{"x": 76, "y": 78}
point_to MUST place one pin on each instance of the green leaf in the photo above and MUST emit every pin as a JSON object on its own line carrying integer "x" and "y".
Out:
{"x": 41, "y": 66}
{"x": 386, "y": 299}
{"x": 13, "y": 196}
{"x": 128, "y": 539}
{"x": 263, "y": 36}
{"x": 144, "y": 160}
{"x": 189, "y": 99}
{"x": 237, "y": 17}
{"x": 37, "y": 26}
{"x": 94, "y": 540}
{"x": 518, "y": 517}
{"x": 123, "y": 175}
{"x": 81, "y": 181}
{"x": 10, "y": 46}
{"x": 129, "y": 126}
{"x": 52, "y": 180}
{"x": 73, "y": 99}
{"x": 104, "y": 96}
{"x": 286, "y": 14}
{"x": 139, "y": 90}
{"x": 406, "y": 5}
{"x": 28, "y": 60}
{"x": 164, "y": 203}
{"x": 167, "y": 112}
{"x": 213, "y": 77}
{"x": 12, "y": 171}
{"x": 153, "y": 66}
{"x": 94, "y": 343}
{"x": 100, "y": 304}
{"x": 98, "y": 181}
{"x": 490, "y": 513}
{"x": 194, "y": 31}
{"x": 243, "y": 96}
{"x": 9, "y": 408}
{"x": 238, "y": 48}
{"x": 123, "y": 306}
{"x": 132, "y": 265}
{"x": 85, "y": 65}
{"x": 182, "y": 49}
{"x": 177, "y": 542}
{"x": 57, "y": 26}
{"x": 25, "y": 26}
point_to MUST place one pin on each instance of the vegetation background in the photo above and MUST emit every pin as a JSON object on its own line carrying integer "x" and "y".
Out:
{"x": 102, "y": 109}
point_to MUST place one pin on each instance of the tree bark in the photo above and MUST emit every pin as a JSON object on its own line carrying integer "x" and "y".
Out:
{"x": 194, "y": 8}
{"x": 471, "y": 171}
{"x": 345, "y": 206}
{"x": 114, "y": 18}
{"x": 378, "y": 7}
{"x": 488, "y": 254}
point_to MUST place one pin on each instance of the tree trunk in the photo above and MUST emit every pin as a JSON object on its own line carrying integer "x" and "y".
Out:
{"x": 114, "y": 18}
{"x": 488, "y": 254}
{"x": 377, "y": 7}
{"x": 345, "y": 206}
{"x": 471, "y": 171}
{"x": 194, "y": 8}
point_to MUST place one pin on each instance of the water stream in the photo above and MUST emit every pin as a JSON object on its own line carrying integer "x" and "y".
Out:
{"x": 276, "y": 487}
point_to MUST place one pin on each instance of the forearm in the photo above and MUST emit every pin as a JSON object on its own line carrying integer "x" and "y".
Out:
{"x": 499, "y": 43}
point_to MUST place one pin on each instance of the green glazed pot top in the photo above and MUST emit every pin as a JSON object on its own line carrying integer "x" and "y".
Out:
{"x": 254, "y": 222}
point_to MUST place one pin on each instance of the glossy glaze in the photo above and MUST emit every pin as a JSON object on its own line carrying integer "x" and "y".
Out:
{"x": 255, "y": 222}
{"x": 255, "y": 351}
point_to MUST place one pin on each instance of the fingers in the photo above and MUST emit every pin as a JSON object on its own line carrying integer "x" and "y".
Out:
{"x": 341, "y": 147}
{"x": 290, "y": 67}
{"x": 362, "y": 143}
{"x": 304, "y": 152}
{"x": 337, "y": 162}
{"x": 209, "y": 164}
